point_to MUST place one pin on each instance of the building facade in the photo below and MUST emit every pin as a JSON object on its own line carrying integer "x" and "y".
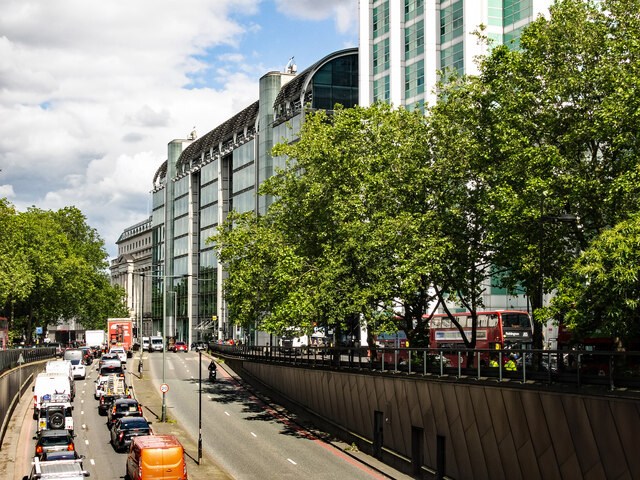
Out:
{"x": 131, "y": 268}
{"x": 405, "y": 43}
{"x": 204, "y": 179}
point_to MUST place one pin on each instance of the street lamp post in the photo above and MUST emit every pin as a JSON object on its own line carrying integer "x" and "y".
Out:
{"x": 200, "y": 408}
{"x": 564, "y": 218}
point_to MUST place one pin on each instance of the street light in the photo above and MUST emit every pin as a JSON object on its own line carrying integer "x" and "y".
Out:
{"x": 564, "y": 218}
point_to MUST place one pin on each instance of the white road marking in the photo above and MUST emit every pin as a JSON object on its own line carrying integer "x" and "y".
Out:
{"x": 81, "y": 412}
{"x": 171, "y": 367}
{"x": 209, "y": 397}
{"x": 92, "y": 461}
{"x": 81, "y": 401}
{"x": 86, "y": 442}
{"x": 192, "y": 376}
{"x": 254, "y": 434}
{"x": 84, "y": 426}
{"x": 227, "y": 414}
{"x": 292, "y": 461}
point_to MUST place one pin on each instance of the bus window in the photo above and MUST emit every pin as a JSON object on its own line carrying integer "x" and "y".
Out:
{"x": 493, "y": 320}
{"x": 446, "y": 323}
{"x": 483, "y": 321}
{"x": 515, "y": 320}
{"x": 435, "y": 322}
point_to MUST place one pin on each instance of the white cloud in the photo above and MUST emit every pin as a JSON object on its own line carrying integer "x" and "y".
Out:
{"x": 91, "y": 92}
{"x": 344, "y": 12}
{"x": 6, "y": 191}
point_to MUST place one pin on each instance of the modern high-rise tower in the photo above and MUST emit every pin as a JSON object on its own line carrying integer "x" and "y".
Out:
{"x": 405, "y": 43}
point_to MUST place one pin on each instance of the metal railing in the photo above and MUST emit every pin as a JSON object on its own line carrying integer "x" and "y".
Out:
{"x": 17, "y": 356}
{"x": 577, "y": 367}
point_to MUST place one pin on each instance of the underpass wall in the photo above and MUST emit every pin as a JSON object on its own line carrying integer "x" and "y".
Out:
{"x": 13, "y": 384}
{"x": 487, "y": 431}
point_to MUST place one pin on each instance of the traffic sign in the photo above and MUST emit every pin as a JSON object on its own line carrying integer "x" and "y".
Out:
{"x": 164, "y": 388}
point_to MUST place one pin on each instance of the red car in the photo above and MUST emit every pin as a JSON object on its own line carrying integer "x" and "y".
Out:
{"x": 180, "y": 346}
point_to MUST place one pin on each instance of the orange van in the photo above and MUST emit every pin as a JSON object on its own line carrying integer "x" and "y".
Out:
{"x": 156, "y": 457}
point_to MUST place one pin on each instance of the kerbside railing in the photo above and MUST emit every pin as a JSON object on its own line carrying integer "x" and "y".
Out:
{"x": 18, "y": 356}
{"x": 614, "y": 370}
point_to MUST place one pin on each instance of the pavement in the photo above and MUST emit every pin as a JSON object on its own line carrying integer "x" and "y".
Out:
{"x": 150, "y": 397}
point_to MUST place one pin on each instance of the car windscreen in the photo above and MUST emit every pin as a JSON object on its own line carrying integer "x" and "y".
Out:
{"x": 137, "y": 422}
{"x": 111, "y": 370}
{"x": 47, "y": 441}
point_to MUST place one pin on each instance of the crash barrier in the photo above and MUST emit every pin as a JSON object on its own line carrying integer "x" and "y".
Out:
{"x": 19, "y": 356}
{"x": 13, "y": 384}
{"x": 439, "y": 426}
{"x": 611, "y": 370}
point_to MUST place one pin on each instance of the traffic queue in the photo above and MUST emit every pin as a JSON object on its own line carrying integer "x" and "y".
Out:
{"x": 55, "y": 454}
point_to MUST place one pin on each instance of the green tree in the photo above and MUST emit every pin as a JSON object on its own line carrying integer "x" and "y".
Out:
{"x": 602, "y": 293}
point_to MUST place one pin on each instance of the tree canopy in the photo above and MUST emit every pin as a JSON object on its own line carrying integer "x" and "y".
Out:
{"x": 382, "y": 212}
{"x": 52, "y": 267}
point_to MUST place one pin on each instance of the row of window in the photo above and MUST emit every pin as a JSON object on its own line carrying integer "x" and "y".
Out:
{"x": 129, "y": 247}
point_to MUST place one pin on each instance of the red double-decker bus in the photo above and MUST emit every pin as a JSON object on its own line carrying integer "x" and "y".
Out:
{"x": 495, "y": 330}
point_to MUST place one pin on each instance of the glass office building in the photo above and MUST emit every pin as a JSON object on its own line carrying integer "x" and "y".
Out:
{"x": 204, "y": 179}
{"x": 404, "y": 43}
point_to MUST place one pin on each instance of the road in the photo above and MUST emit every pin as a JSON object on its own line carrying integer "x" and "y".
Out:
{"x": 92, "y": 435}
{"x": 248, "y": 438}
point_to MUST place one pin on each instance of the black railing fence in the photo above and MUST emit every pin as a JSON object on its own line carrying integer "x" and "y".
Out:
{"x": 577, "y": 367}
{"x": 17, "y": 356}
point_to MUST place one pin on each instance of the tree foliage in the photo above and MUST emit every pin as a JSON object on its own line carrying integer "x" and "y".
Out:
{"x": 53, "y": 268}
{"x": 384, "y": 210}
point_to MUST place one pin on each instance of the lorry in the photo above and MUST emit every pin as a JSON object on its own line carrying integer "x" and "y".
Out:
{"x": 95, "y": 338}
{"x": 120, "y": 331}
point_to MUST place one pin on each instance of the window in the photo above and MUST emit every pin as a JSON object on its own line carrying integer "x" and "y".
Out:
{"x": 209, "y": 172}
{"x": 243, "y": 155}
{"x": 336, "y": 82}
{"x": 243, "y": 179}
{"x": 451, "y": 22}
{"x": 181, "y": 187}
{"x": 452, "y": 58}
{"x": 414, "y": 79}
{"x": 381, "y": 89}
{"x": 495, "y": 13}
{"x": 414, "y": 40}
{"x": 181, "y": 206}
{"x": 381, "y": 19}
{"x": 244, "y": 202}
{"x": 209, "y": 216}
{"x": 209, "y": 194}
{"x": 181, "y": 226}
{"x": 413, "y": 8}
{"x": 516, "y": 10}
{"x": 381, "y": 56}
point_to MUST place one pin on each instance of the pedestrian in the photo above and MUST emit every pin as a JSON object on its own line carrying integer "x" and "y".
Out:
{"x": 493, "y": 362}
{"x": 511, "y": 363}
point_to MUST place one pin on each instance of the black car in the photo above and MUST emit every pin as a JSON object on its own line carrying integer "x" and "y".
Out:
{"x": 125, "y": 429}
{"x": 53, "y": 441}
{"x": 106, "y": 402}
{"x": 123, "y": 407}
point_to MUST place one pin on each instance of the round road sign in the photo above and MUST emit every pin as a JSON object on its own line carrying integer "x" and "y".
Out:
{"x": 164, "y": 388}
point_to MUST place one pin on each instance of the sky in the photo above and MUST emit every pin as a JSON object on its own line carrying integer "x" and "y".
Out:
{"x": 92, "y": 91}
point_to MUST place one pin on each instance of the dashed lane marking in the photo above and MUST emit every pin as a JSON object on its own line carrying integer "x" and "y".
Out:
{"x": 292, "y": 461}
{"x": 254, "y": 434}
{"x": 84, "y": 426}
{"x": 86, "y": 442}
{"x": 227, "y": 414}
{"x": 92, "y": 461}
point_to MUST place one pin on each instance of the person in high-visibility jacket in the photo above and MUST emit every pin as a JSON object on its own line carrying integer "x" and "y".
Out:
{"x": 511, "y": 363}
{"x": 493, "y": 362}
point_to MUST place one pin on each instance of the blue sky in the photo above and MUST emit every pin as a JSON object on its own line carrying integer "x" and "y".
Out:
{"x": 91, "y": 92}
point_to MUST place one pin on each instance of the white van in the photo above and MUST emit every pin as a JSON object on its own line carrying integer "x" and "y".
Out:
{"x": 49, "y": 384}
{"x": 62, "y": 366}
{"x": 145, "y": 343}
{"x": 156, "y": 344}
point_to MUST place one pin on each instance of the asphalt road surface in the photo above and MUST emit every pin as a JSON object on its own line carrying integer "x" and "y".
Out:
{"x": 249, "y": 439}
